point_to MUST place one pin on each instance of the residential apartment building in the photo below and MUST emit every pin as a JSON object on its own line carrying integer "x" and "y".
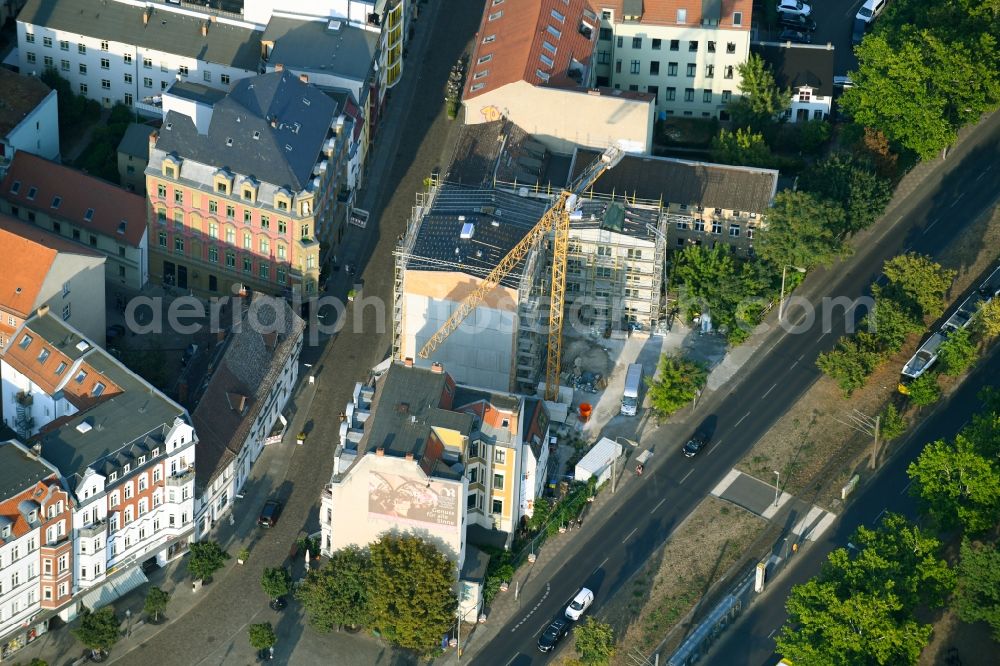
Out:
{"x": 129, "y": 52}
{"x": 806, "y": 70}
{"x": 29, "y": 118}
{"x": 684, "y": 52}
{"x": 533, "y": 61}
{"x": 126, "y": 452}
{"x": 36, "y": 550}
{"x": 430, "y": 456}
{"x": 86, "y": 210}
{"x": 49, "y": 271}
{"x": 240, "y": 409}
{"x": 133, "y": 157}
{"x": 247, "y": 190}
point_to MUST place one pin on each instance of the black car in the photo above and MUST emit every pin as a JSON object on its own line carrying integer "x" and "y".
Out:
{"x": 795, "y": 36}
{"x": 553, "y": 634}
{"x": 695, "y": 444}
{"x": 858, "y": 32}
{"x": 269, "y": 514}
{"x": 800, "y": 23}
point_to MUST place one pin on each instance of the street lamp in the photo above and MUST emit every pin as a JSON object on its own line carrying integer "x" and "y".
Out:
{"x": 781, "y": 300}
{"x": 777, "y": 484}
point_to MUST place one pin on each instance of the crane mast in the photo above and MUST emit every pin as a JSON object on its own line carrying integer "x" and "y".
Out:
{"x": 556, "y": 218}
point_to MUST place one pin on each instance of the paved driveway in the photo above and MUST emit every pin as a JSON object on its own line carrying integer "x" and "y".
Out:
{"x": 834, "y": 20}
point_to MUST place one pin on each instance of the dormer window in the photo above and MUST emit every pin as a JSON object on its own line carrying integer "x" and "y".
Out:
{"x": 113, "y": 476}
{"x": 15, "y": 187}
{"x": 169, "y": 172}
{"x": 80, "y": 376}
{"x": 43, "y": 355}
{"x": 61, "y": 368}
{"x": 155, "y": 452}
{"x": 56, "y": 202}
{"x": 6, "y": 532}
{"x": 89, "y": 215}
{"x": 98, "y": 389}
{"x": 127, "y": 468}
{"x": 25, "y": 342}
{"x": 142, "y": 459}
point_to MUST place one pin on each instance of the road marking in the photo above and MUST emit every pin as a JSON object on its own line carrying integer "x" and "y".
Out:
{"x": 605, "y": 560}
{"x": 530, "y": 613}
{"x": 799, "y": 358}
{"x": 626, "y": 539}
{"x": 931, "y": 225}
{"x": 512, "y": 658}
{"x": 660, "y": 503}
{"x": 980, "y": 176}
{"x": 880, "y": 514}
{"x": 690, "y": 471}
{"x": 773, "y": 632}
{"x": 824, "y": 335}
{"x": 741, "y": 420}
{"x": 793, "y": 365}
{"x": 957, "y": 199}
{"x": 801, "y": 319}
{"x": 769, "y": 390}
{"x": 906, "y": 487}
{"x": 712, "y": 448}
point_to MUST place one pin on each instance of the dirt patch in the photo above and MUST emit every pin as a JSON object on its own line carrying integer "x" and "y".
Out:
{"x": 972, "y": 643}
{"x": 581, "y": 355}
{"x": 714, "y": 537}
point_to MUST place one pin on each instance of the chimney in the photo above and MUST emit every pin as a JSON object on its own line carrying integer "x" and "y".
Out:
{"x": 380, "y": 452}
{"x": 408, "y": 361}
{"x": 437, "y": 368}
{"x": 43, "y": 310}
{"x": 36, "y": 451}
{"x": 204, "y": 29}
{"x": 278, "y": 67}
{"x": 146, "y": 15}
{"x": 304, "y": 78}
{"x": 409, "y": 456}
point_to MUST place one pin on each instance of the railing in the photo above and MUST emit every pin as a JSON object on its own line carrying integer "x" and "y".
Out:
{"x": 93, "y": 529}
{"x": 24, "y": 398}
{"x": 181, "y": 478}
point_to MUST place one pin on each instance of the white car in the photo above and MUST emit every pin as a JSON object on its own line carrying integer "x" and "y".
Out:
{"x": 870, "y": 10}
{"x": 794, "y": 8}
{"x": 581, "y": 602}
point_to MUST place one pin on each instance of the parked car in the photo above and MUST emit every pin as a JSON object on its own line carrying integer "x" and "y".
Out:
{"x": 794, "y": 8}
{"x": 870, "y": 10}
{"x": 553, "y": 633}
{"x": 796, "y": 36}
{"x": 581, "y": 602}
{"x": 269, "y": 514}
{"x": 797, "y": 22}
{"x": 695, "y": 444}
{"x": 858, "y": 31}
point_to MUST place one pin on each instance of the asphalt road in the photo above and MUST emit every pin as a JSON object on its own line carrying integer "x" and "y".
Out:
{"x": 749, "y": 641}
{"x": 646, "y": 512}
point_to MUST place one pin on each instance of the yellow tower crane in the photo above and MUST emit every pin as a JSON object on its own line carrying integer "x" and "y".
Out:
{"x": 556, "y": 218}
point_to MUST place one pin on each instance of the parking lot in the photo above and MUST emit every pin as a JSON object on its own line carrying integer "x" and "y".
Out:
{"x": 834, "y": 20}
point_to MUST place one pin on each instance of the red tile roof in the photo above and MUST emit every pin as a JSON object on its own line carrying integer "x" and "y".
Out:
{"x": 664, "y": 12}
{"x": 10, "y": 507}
{"x": 522, "y": 33}
{"x": 79, "y": 193}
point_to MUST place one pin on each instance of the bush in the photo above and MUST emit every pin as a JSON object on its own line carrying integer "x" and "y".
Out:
{"x": 813, "y": 135}
{"x": 924, "y": 390}
{"x": 958, "y": 352}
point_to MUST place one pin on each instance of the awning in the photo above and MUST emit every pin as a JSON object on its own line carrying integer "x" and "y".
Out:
{"x": 114, "y": 588}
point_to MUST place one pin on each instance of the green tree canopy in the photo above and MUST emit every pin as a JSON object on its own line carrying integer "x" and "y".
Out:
{"x": 957, "y": 486}
{"x": 863, "y": 628}
{"x": 917, "y": 283}
{"x": 595, "y": 642}
{"x": 412, "y": 601}
{"x": 893, "y": 423}
{"x": 262, "y": 636}
{"x": 802, "y": 231}
{"x": 677, "y": 382}
{"x": 761, "y": 101}
{"x": 205, "y": 559}
{"x": 156, "y": 602}
{"x": 844, "y": 181}
{"x": 890, "y": 323}
{"x": 742, "y": 147}
{"x": 958, "y": 352}
{"x": 987, "y": 323}
{"x": 977, "y": 597}
{"x": 924, "y": 390}
{"x": 98, "y": 630}
{"x": 852, "y": 361}
{"x": 276, "y": 582}
{"x": 339, "y": 592}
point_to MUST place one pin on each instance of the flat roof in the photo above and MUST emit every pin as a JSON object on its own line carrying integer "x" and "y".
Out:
{"x": 346, "y": 51}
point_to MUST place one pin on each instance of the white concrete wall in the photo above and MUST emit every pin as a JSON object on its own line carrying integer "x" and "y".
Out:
{"x": 84, "y": 275}
{"x": 21, "y": 600}
{"x": 815, "y": 103}
{"x": 199, "y": 113}
{"x": 38, "y": 132}
{"x": 44, "y": 409}
{"x": 260, "y": 11}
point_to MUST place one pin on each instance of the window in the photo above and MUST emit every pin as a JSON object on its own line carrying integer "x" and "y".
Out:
{"x": 128, "y": 490}
{"x": 163, "y": 67}
{"x": 553, "y": 31}
{"x": 729, "y": 71}
{"x": 213, "y": 229}
{"x": 498, "y": 506}
{"x": 207, "y": 76}
{"x": 716, "y": 227}
{"x": 83, "y": 88}
{"x": 264, "y": 271}
{"x": 282, "y": 227}
{"x": 498, "y": 482}
{"x": 247, "y": 265}
{"x": 230, "y": 213}
{"x": 213, "y": 254}
{"x": 706, "y": 96}
{"x": 699, "y": 225}
{"x": 81, "y": 49}
{"x": 654, "y": 67}
{"x": 495, "y": 15}
{"x": 106, "y": 84}
{"x": 500, "y": 456}
{"x": 231, "y": 236}
{"x": 265, "y": 222}
{"x": 711, "y": 47}
{"x": 163, "y": 239}
{"x": 230, "y": 259}
{"x": 618, "y": 66}
{"x": 29, "y": 37}
{"x": 731, "y": 47}
{"x": 605, "y": 34}
{"x": 691, "y": 70}
{"x": 47, "y": 42}
{"x": 105, "y": 63}
{"x": 549, "y": 47}
{"x": 670, "y": 94}
{"x": 179, "y": 244}
{"x": 265, "y": 247}
{"x": 282, "y": 276}
{"x": 48, "y": 61}
{"x": 709, "y": 71}
{"x": 247, "y": 241}
{"x": 634, "y": 67}
{"x": 178, "y": 196}
{"x": 64, "y": 65}
{"x": 128, "y": 78}
{"x": 689, "y": 94}
{"x": 247, "y": 216}
{"x": 557, "y": 16}
{"x": 147, "y": 63}
{"x": 127, "y": 58}
{"x": 31, "y": 57}
{"x": 734, "y": 230}
{"x": 657, "y": 44}
{"x": 675, "y": 44}
{"x": 66, "y": 311}
{"x": 147, "y": 82}
{"x": 637, "y": 42}
{"x": 655, "y": 92}
{"x": 489, "y": 39}
{"x": 671, "y": 69}
{"x": 726, "y": 96}
{"x": 281, "y": 251}
{"x": 225, "y": 79}
{"x": 692, "y": 46}
{"x": 737, "y": 18}
{"x": 213, "y": 207}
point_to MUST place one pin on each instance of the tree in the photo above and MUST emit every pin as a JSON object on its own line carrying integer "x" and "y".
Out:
{"x": 802, "y": 231}
{"x": 863, "y": 628}
{"x": 851, "y": 362}
{"x": 678, "y": 380}
{"x": 957, "y": 486}
{"x": 156, "y": 602}
{"x": 844, "y": 181}
{"x": 924, "y": 390}
{"x": 742, "y": 147}
{"x": 812, "y": 134}
{"x": 540, "y": 514}
{"x": 205, "y": 559}
{"x": 977, "y": 597}
{"x": 761, "y": 101}
{"x": 897, "y": 556}
{"x": 892, "y": 425}
{"x": 276, "y": 582}
{"x": 98, "y": 630}
{"x": 412, "y": 601}
{"x": 918, "y": 284}
{"x": 262, "y": 636}
{"x": 890, "y": 322}
{"x": 339, "y": 593}
{"x": 595, "y": 642}
{"x": 958, "y": 352}
{"x": 987, "y": 324}
{"x": 875, "y": 146}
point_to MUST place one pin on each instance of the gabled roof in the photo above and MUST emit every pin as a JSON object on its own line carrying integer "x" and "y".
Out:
{"x": 517, "y": 40}
{"x": 664, "y": 12}
{"x": 19, "y": 95}
{"x": 237, "y": 391}
{"x": 166, "y": 31}
{"x": 328, "y": 46}
{"x": 272, "y": 127}
{"x": 797, "y": 65}
{"x": 85, "y": 201}
{"x": 748, "y": 189}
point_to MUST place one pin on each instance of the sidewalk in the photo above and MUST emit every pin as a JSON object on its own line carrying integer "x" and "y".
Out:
{"x": 60, "y": 646}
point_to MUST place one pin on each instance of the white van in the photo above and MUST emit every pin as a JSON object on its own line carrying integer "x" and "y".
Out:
{"x": 633, "y": 384}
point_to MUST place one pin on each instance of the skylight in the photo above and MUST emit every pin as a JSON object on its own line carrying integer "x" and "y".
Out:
{"x": 552, "y": 30}
{"x": 557, "y": 16}
{"x": 122, "y": 225}
{"x": 25, "y": 342}
{"x": 229, "y": 142}
{"x": 98, "y": 389}
{"x": 56, "y": 201}
{"x": 256, "y": 135}
{"x": 83, "y": 427}
{"x": 31, "y": 193}
{"x": 89, "y": 215}
{"x": 61, "y": 368}
{"x": 43, "y": 355}
{"x": 80, "y": 376}
{"x": 16, "y": 187}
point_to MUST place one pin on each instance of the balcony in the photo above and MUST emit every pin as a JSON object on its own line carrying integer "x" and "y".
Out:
{"x": 181, "y": 478}
{"x": 24, "y": 399}
{"x": 94, "y": 529}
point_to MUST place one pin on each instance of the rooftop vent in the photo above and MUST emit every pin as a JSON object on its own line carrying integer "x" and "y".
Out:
{"x": 468, "y": 229}
{"x": 82, "y": 346}
{"x": 256, "y": 135}
{"x": 170, "y": 126}
{"x": 333, "y": 26}
{"x": 229, "y": 142}
{"x": 84, "y": 427}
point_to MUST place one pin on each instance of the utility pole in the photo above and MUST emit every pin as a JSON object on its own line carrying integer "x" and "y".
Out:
{"x": 866, "y": 425}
